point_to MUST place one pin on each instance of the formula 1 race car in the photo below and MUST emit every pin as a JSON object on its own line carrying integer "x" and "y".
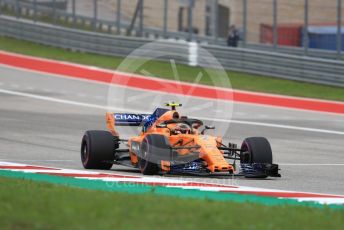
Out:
{"x": 174, "y": 144}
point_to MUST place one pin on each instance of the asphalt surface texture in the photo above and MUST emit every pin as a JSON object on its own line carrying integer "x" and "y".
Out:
{"x": 43, "y": 118}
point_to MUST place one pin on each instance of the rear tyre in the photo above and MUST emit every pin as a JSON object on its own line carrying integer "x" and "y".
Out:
{"x": 97, "y": 149}
{"x": 154, "y": 148}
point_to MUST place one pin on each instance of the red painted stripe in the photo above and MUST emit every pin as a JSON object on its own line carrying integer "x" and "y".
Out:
{"x": 53, "y": 67}
{"x": 285, "y": 194}
{"x": 23, "y": 167}
{"x": 88, "y": 175}
{"x": 132, "y": 80}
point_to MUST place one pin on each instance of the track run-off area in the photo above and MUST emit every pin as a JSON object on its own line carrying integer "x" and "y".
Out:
{"x": 44, "y": 112}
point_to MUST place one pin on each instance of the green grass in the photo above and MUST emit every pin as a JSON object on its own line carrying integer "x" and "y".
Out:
{"x": 238, "y": 80}
{"x": 26, "y": 204}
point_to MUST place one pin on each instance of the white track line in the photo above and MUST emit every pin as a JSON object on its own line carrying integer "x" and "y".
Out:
{"x": 271, "y": 125}
{"x": 25, "y": 160}
{"x": 108, "y": 108}
{"x": 310, "y": 164}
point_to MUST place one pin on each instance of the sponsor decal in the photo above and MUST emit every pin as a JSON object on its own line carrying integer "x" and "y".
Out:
{"x": 131, "y": 117}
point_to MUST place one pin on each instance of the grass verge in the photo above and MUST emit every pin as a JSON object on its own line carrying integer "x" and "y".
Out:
{"x": 160, "y": 69}
{"x": 38, "y": 205}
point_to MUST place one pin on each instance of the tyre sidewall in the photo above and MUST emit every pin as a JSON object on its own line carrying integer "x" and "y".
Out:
{"x": 100, "y": 149}
{"x": 259, "y": 149}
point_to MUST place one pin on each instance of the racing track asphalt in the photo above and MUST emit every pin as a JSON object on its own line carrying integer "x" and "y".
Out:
{"x": 42, "y": 119}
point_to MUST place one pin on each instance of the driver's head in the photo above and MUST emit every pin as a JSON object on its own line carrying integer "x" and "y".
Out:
{"x": 182, "y": 128}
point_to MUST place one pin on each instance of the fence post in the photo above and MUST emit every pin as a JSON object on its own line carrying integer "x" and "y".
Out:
{"x": 54, "y": 12}
{"x": 118, "y": 19}
{"x": 17, "y": 9}
{"x": 190, "y": 19}
{"x": 74, "y": 13}
{"x": 305, "y": 29}
{"x": 1, "y": 7}
{"x": 215, "y": 19}
{"x": 95, "y": 14}
{"x": 141, "y": 18}
{"x": 34, "y": 10}
{"x": 275, "y": 26}
{"x": 339, "y": 28}
{"x": 165, "y": 18}
{"x": 244, "y": 30}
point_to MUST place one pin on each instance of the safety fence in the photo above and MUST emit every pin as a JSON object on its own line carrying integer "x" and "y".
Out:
{"x": 312, "y": 28}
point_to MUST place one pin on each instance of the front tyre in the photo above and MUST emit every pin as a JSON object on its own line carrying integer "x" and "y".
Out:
{"x": 97, "y": 150}
{"x": 256, "y": 150}
{"x": 256, "y": 157}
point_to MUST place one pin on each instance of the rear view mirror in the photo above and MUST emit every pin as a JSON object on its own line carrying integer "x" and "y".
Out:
{"x": 207, "y": 127}
{"x": 161, "y": 125}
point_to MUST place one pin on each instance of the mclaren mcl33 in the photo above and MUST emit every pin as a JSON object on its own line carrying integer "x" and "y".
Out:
{"x": 170, "y": 143}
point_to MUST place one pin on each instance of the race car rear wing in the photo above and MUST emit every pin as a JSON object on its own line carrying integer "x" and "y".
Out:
{"x": 124, "y": 119}
{"x": 129, "y": 119}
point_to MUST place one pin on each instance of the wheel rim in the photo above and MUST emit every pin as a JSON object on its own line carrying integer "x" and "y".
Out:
{"x": 246, "y": 148}
{"x": 143, "y": 159}
{"x": 84, "y": 153}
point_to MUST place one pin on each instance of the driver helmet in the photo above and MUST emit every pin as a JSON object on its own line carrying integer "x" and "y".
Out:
{"x": 182, "y": 128}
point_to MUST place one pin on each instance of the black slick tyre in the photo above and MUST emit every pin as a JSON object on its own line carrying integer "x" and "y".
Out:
{"x": 97, "y": 149}
{"x": 258, "y": 150}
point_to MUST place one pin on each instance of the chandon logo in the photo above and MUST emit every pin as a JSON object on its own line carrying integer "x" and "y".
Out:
{"x": 131, "y": 116}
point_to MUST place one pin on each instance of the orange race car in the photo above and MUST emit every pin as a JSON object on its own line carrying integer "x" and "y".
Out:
{"x": 174, "y": 144}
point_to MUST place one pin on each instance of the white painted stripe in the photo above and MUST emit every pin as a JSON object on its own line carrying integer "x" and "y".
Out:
{"x": 322, "y": 200}
{"x": 34, "y": 170}
{"x": 311, "y": 164}
{"x": 2, "y": 163}
{"x": 118, "y": 109}
{"x": 25, "y": 160}
{"x": 271, "y": 125}
{"x": 63, "y": 101}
